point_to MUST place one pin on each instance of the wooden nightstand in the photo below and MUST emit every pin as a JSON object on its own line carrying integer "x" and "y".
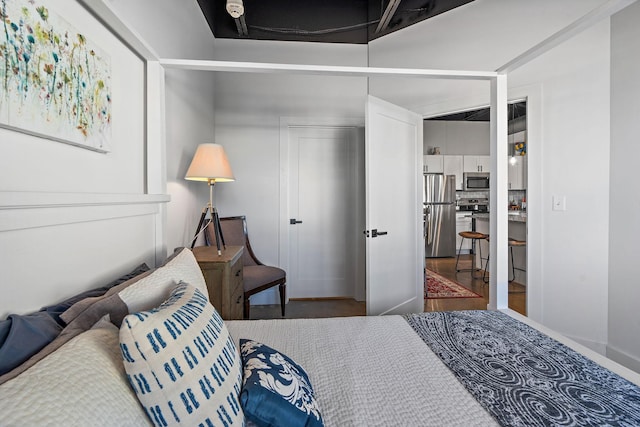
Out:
{"x": 223, "y": 274}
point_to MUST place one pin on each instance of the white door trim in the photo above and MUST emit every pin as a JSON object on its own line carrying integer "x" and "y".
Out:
{"x": 283, "y": 217}
{"x": 535, "y": 203}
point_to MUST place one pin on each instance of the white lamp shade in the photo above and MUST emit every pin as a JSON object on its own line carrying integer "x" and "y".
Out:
{"x": 210, "y": 163}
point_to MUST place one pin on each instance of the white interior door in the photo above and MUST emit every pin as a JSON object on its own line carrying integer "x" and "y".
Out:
{"x": 323, "y": 210}
{"x": 395, "y": 259}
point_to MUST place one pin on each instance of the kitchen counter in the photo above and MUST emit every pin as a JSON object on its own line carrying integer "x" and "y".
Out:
{"x": 515, "y": 216}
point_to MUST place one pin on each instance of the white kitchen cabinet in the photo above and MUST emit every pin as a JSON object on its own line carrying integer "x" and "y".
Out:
{"x": 463, "y": 223}
{"x": 484, "y": 163}
{"x": 517, "y": 173}
{"x": 433, "y": 164}
{"x": 454, "y": 165}
{"x": 477, "y": 163}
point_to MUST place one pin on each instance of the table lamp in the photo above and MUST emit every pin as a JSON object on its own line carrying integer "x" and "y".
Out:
{"x": 210, "y": 164}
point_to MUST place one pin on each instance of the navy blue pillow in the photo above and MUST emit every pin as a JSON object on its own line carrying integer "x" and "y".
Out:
{"x": 22, "y": 336}
{"x": 56, "y": 310}
{"x": 276, "y": 391}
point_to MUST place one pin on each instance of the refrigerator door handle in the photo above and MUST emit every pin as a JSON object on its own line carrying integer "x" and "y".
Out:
{"x": 427, "y": 226}
{"x": 424, "y": 226}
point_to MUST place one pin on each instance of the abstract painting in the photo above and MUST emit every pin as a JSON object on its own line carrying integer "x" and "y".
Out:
{"x": 54, "y": 82}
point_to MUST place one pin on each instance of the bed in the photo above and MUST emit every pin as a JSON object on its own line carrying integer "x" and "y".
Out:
{"x": 472, "y": 368}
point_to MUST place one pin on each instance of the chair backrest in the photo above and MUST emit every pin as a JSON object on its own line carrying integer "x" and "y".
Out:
{"x": 234, "y": 231}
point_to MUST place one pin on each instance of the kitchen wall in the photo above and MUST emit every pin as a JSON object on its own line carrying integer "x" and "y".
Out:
{"x": 624, "y": 203}
{"x": 456, "y": 137}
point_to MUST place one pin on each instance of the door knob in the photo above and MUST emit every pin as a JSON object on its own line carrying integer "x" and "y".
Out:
{"x": 294, "y": 221}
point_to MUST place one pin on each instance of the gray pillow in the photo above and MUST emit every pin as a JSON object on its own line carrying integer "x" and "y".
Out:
{"x": 21, "y": 336}
{"x": 57, "y": 310}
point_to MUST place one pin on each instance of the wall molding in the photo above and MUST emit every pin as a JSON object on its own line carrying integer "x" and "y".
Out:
{"x": 623, "y": 358}
{"x": 23, "y": 210}
{"x": 35, "y": 199}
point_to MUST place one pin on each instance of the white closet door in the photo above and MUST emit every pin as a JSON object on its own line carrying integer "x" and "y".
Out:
{"x": 322, "y": 195}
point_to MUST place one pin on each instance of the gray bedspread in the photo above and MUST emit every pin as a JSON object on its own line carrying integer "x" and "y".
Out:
{"x": 370, "y": 371}
{"x": 523, "y": 377}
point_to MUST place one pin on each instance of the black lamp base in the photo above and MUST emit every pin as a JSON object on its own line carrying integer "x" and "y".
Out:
{"x": 215, "y": 219}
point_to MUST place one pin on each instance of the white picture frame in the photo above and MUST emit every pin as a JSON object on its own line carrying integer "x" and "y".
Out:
{"x": 54, "y": 81}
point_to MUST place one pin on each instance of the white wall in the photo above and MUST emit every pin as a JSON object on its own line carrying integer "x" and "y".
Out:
{"x": 456, "y": 137}
{"x": 173, "y": 29}
{"x": 573, "y": 162}
{"x": 179, "y": 31}
{"x": 71, "y": 218}
{"x": 190, "y": 99}
{"x": 624, "y": 203}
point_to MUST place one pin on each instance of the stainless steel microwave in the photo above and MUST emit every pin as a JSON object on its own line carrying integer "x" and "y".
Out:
{"x": 475, "y": 181}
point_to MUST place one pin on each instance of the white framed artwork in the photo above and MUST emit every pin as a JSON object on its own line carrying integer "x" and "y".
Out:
{"x": 54, "y": 82}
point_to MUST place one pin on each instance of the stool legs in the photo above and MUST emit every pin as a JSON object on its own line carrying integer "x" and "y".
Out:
{"x": 458, "y": 255}
{"x": 484, "y": 273}
{"x": 473, "y": 259}
{"x": 513, "y": 268}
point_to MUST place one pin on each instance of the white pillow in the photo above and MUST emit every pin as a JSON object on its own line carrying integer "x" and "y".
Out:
{"x": 82, "y": 383}
{"x": 182, "y": 362}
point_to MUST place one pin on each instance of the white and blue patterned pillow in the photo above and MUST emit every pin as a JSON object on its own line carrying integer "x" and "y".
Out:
{"x": 276, "y": 391}
{"x": 182, "y": 362}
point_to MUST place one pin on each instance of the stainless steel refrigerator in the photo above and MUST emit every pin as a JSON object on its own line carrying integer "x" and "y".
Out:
{"x": 440, "y": 215}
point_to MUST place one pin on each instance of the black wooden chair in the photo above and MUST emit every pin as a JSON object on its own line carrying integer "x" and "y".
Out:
{"x": 256, "y": 276}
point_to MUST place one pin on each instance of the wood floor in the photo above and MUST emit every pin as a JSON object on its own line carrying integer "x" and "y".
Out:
{"x": 445, "y": 266}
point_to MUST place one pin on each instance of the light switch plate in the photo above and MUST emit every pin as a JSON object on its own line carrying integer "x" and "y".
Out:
{"x": 559, "y": 203}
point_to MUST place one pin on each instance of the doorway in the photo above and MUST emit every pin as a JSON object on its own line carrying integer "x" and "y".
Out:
{"x": 462, "y": 138}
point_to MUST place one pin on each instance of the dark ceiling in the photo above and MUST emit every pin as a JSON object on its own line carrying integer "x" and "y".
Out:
{"x": 329, "y": 21}
{"x": 515, "y": 110}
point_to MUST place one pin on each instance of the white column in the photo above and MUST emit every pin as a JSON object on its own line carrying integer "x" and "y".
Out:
{"x": 499, "y": 221}
{"x": 156, "y": 162}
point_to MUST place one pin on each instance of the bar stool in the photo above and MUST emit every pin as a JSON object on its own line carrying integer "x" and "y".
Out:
{"x": 511, "y": 242}
{"x": 473, "y": 236}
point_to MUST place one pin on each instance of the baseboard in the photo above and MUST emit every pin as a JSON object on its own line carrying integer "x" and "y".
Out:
{"x": 271, "y": 297}
{"x": 598, "y": 347}
{"x": 625, "y": 359}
